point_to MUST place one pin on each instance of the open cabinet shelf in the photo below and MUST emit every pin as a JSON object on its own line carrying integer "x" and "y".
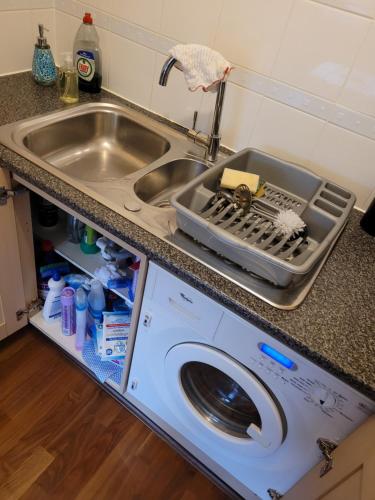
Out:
{"x": 73, "y": 253}
{"x": 87, "y": 263}
{"x": 53, "y": 331}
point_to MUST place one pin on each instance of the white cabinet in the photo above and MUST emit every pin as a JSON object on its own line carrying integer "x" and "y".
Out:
{"x": 354, "y": 459}
{"x": 352, "y": 476}
{"x": 17, "y": 271}
{"x": 18, "y": 289}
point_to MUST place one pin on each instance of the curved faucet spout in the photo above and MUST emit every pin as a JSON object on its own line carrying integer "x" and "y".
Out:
{"x": 212, "y": 141}
{"x": 166, "y": 69}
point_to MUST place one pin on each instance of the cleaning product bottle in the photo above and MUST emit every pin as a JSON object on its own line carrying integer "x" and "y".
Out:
{"x": 96, "y": 301}
{"x": 68, "y": 80}
{"x": 87, "y": 56}
{"x": 81, "y": 304}
{"x": 96, "y": 306}
{"x": 88, "y": 243}
{"x": 68, "y": 311}
{"x": 52, "y": 305}
{"x": 44, "y": 69}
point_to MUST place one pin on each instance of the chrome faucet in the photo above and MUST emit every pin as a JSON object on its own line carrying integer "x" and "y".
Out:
{"x": 212, "y": 141}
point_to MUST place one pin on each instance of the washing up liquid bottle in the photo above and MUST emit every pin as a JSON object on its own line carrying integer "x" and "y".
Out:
{"x": 87, "y": 56}
{"x": 44, "y": 69}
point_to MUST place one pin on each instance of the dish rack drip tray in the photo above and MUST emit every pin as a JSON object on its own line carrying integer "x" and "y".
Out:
{"x": 250, "y": 239}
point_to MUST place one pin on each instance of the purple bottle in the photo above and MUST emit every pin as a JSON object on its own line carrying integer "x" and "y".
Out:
{"x": 68, "y": 311}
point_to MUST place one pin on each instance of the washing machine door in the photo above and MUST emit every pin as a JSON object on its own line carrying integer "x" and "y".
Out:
{"x": 219, "y": 396}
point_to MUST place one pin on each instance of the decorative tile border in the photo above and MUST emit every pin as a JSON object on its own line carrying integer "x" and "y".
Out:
{"x": 286, "y": 94}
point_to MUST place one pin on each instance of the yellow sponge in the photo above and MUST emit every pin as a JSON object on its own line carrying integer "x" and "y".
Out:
{"x": 233, "y": 178}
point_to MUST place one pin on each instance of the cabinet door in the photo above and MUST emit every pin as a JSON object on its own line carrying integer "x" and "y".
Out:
{"x": 353, "y": 473}
{"x": 17, "y": 268}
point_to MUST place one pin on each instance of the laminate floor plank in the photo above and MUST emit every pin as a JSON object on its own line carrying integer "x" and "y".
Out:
{"x": 53, "y": 423}
{"x": 38, "y": 409}
{"x": 40, "y": 379}
{"x": 63, "y": 437}
{"x": 19, "y": 482}
{"x": 11, "y": 345}
{"x": 25, "y": 362}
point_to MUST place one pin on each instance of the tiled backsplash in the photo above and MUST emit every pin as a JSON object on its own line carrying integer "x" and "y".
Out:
{"x": 19, "y": 29}
{"x": 303, "y": 87}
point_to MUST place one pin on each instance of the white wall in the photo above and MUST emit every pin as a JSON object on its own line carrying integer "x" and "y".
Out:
{"x": 19, "y": 29}
{"x": 303, "y": 87}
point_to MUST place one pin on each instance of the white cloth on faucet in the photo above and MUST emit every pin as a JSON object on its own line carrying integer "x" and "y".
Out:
{"x": 203, "y": 67}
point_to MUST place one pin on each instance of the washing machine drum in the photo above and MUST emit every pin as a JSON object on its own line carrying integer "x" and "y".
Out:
{"x": 223, "y": 399}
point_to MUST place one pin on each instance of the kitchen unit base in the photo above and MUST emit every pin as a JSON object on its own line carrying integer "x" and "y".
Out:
{"x": 70, "y": 254}
{"x": 246, "y": 405}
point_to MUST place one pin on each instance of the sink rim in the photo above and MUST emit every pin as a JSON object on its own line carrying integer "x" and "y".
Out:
{"x": 12, "y": 135}
{"x": 105, "y": 126}
{"x": 181, "y": 147}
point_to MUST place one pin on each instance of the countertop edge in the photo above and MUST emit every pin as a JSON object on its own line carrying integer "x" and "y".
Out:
{"x": 139, "y": 238}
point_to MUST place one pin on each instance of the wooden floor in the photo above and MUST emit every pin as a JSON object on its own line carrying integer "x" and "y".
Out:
{"x": 62, "y": 436}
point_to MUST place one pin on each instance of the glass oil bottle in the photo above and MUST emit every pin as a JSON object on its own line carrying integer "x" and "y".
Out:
{"x": 68, "y": 80}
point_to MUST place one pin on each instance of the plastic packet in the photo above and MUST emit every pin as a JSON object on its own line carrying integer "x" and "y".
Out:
{"x": 116, "y": 327}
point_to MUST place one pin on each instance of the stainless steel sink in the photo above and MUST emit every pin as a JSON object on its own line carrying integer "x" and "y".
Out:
{"x": 133, "y": 165}
{"x": 100, "y": 144}
{"x": 157, "y": 187}
{"x": 115, "y": 154}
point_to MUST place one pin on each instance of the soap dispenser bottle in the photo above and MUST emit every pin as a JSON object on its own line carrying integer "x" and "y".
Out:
{"x": 44, "y": 69}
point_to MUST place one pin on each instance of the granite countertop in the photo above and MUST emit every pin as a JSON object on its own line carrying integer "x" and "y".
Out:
{"x": 334, "y": 326}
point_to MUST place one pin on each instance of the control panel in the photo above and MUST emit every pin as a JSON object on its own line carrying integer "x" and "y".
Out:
{"x": 286, "y": 372}
{"x": 322, "y": 393}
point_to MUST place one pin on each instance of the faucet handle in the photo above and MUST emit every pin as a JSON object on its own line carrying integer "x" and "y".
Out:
{"x": 196, "y": 135}
{"x": 195, "y": 117}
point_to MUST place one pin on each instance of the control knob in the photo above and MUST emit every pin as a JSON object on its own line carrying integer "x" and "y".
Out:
{"x": 323, "y": 397}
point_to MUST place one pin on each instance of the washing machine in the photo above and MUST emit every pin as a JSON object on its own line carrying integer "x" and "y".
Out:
{"x": 248, "y": 407}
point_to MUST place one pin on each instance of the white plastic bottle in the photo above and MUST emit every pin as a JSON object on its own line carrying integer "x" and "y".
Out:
{"x": 52, "y": 305}
{"x": 81, "y": 317}
{"x": 87, "y": 56}
{"x": 96, "y": 306}
{"x": 96, "y": 301}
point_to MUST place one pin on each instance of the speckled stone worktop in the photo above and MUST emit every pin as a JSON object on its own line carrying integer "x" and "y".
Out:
{"x": 334, "y": 327}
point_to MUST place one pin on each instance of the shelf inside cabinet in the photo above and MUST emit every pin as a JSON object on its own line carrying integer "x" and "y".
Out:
{"x": 53, "y": 331}
{"x": 73, "y": 253}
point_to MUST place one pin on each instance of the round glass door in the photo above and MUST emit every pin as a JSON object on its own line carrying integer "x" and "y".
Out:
{"x": 219, "y": 399}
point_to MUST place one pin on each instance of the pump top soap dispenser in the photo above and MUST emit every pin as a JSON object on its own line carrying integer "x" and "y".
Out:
{"x": 44, "y": 69}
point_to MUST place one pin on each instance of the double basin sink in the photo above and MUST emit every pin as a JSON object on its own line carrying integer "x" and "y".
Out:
{"x": 117, "y": 155}
{"x": 133, "y": 165}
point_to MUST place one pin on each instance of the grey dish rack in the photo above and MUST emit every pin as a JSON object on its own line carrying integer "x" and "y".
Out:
{"x": 250, "y": 240}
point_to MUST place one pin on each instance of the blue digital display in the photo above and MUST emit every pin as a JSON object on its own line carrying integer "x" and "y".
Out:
{"x": 277, "y": 356}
